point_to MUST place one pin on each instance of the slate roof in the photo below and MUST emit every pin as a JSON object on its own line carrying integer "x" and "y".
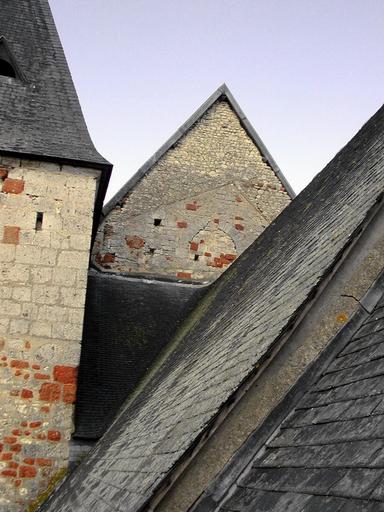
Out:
{"x": 325, "y": 452}
{"x": 40, "y": 114}
{"x": 127, "y": 323}
{"x": 222, "y": 92}
{"x": 229, "y": 334}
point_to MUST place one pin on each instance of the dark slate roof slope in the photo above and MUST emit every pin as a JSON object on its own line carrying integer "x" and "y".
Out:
{"x": 40, "y": 114}
{"x": 327, "y": 454}
{"x": 221, "y": 93}
{"x": 229, "y": 333}
{"x": 127, "y": 322}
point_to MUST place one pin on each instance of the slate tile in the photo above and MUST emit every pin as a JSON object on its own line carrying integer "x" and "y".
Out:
{"x": 357, "y": 483}
{"x": 369, "y": 328}
{"x": 365, "y": 342}
{"x": 323, "y": 504}
{"x": 299, "y": 480}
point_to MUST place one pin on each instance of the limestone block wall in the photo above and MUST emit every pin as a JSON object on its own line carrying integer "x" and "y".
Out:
{"x": 45, "y": 230}
{"x": 199, "y": 207}
{"x": 194, "y": 239}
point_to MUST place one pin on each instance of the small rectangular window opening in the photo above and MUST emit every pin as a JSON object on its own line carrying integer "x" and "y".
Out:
{"x": 157, "y": 222}
{"x": 39, "y": 221}
{"x": 196, "y": 257}
{"x": 151, "y": 250}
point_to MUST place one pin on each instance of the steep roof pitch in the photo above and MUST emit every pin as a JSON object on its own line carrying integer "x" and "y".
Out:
{"x": 40, "y": 114}
{"x": 230, "y": 333}
{"x": 222, "y": 92}
{"x": 322, "y": 447}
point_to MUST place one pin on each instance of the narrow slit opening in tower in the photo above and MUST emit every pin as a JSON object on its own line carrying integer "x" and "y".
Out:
{"x": 157, "y": 222}
{"x": 39, "y": 221}
{"x": 196, "y": 257}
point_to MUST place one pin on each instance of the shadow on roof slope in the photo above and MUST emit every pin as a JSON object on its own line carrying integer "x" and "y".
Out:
{"x": 229, "y": 333}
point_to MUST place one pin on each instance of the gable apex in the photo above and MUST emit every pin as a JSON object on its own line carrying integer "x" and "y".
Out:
{"x": 222, "y": 93}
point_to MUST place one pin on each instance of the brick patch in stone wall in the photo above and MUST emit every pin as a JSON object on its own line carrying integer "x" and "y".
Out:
{"x": 13, "y": 186}
{"x": 11, "y": 235}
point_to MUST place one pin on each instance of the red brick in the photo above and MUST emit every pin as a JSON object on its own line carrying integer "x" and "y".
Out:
{"x": 3, "y": 173}
{"x": 239, "y": 227}
{"x": 17, "y": 483}
{"x": 15, "y": 448}
{"x": 26, "y": 376}
{"x": 27, "y": 345}
{"x": 50, "y": 392}
{"x": 42, "y": 376}
{"x": 24, "y": 424}
{"x": 184, "y": 275}
{"x": 41, "y": 436}
{"x": 134, "y": 242}
{"x": 10, "y": 473}
{"x": 182, "y": 224}
{"x": 35, "y": 424}
{"x": 108, "y": 257}
{"x": 36, "y": 366}
{"x": 12, "y": 186}
{"x": 238, "y": 199}
{"x": 17, "y": 432}
{"x": 65, "y": 374}
{"x": 230, "y": 257}
{"x": 27, "y": 472}
{"x": 45, "y": 409}
{"x": 69, "y": 393}
{"x": 13, "y": 465}
{"x": 208, "y": 254}
{"x": 29, "y": 461}
{"x": 10, "y": 439}
{"x": 54, "y": 435}
{"x": 1, "y": 447}
{"x": 44, "y": 462}
{"x": 26, "y": 393}
{"x": 216, "y": 221}
{"x": 11, "y": 235}
{"x": 19, "y": 364}
{"x": 194, "y": 246}
{"x": 7, "y": 456}
{"x": 191, "y": 206}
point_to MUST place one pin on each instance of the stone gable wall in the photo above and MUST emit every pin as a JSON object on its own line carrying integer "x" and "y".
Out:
{"x": 200, "y": 206}
{"x": 43, "y": 276}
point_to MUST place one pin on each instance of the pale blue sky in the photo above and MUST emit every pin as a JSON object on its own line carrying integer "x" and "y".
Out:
{"x": 307, "y": 73}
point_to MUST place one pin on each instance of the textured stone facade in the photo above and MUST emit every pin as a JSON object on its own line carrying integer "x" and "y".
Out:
{"x": 46, "y": 213}
{"x": 198, "y": 208}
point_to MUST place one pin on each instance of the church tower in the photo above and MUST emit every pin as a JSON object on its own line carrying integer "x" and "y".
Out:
{"x": 52, "y": 186}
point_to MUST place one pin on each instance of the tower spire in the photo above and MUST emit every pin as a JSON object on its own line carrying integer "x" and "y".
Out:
{"x": 40, "y": 114}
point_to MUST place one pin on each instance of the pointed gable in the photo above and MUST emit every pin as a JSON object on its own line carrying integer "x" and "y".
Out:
{"x": 39, "y": 115}
{"x": 215, "y": 146}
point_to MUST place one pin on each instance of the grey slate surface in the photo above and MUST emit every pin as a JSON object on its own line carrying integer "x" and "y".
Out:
{"x": 221, "y": 93}
{"x": 327, "y": 454}
{"x": 128, "y": 322}
{"x": 231, "y": 330}
{"x": 40, "y": 114}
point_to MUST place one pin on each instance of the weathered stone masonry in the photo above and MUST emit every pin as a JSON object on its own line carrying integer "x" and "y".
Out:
{"x": 46, "y": 213}
{"x": 198, "y": 208}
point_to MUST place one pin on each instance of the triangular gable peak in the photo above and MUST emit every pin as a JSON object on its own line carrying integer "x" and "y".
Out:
{"x": 143, "y": 183}
{"x": 183, "y": 188}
